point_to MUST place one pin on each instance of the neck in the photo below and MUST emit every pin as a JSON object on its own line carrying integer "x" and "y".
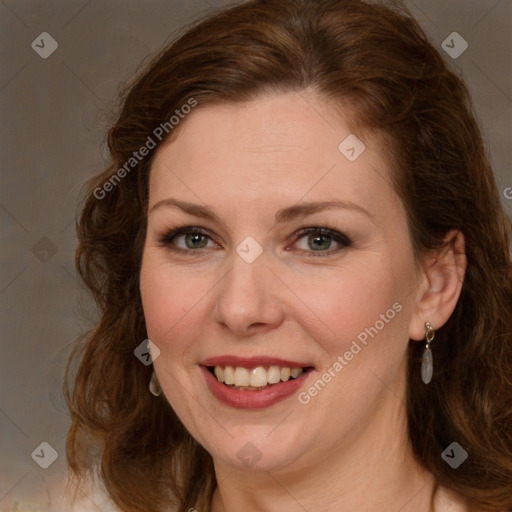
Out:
{"x": 374, "y": 469}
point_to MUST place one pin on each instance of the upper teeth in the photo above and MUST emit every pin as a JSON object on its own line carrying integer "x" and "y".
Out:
{"x": 257, "y": 377}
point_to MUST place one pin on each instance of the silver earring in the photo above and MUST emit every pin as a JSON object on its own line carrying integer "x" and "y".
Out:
{"x": 154, "y": 385}
{"x": 427, "y": 362}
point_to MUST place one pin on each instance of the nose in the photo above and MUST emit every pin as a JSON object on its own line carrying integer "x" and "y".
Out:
{"x": 249, "y": 298}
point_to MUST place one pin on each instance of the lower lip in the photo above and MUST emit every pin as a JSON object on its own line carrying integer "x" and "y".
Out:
{"x": 242, "y": 399}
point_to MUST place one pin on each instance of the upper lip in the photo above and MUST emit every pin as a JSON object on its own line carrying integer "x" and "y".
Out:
{"x": 252, "y": 362}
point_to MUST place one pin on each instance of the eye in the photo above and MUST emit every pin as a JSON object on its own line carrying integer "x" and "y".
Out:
{"x": 320, "y": 240}
{"x": 194, "y": 238}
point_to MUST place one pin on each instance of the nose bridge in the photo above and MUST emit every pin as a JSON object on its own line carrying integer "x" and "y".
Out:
{"x": 246, "y": 296}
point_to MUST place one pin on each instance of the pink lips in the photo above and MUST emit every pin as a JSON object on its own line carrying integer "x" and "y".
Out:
{"x": 244, "y": 399}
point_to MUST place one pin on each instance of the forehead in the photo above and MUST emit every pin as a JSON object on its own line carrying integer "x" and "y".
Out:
{"x": 284, "y": 123}
{"x": 281, "y": 146}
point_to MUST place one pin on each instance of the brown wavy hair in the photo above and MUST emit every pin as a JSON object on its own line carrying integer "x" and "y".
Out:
{"x": 376, "y": 58}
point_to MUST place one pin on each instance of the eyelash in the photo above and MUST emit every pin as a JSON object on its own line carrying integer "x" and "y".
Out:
{"x": 166, "y": 239}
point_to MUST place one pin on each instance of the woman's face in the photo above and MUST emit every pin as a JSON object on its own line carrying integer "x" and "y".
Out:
{"x": 254, "y": 291}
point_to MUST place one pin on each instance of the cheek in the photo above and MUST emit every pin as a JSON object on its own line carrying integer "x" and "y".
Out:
{"x": 168, "y": 300}
{"x": 364, "y": 315}
{"x": 357, "y": 304}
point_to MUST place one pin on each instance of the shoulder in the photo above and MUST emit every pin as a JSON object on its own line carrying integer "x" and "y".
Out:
{"x": 95, "y": 498}
{"x": 447, "y": 501}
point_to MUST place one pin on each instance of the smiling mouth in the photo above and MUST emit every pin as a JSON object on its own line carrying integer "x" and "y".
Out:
{"x": 258, "y": 378}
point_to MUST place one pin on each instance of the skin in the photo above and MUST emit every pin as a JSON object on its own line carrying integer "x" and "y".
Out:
{"x": 349, "y": 443}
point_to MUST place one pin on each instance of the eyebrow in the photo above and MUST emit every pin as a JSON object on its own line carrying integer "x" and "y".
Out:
{"x": 285, "y": 215}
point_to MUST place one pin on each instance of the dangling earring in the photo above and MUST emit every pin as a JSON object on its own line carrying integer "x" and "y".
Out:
{"x": 427, "y": 363}
{"x": 154, "y": 385}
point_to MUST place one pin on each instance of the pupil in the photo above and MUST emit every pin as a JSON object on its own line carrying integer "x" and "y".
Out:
{"x": 194, "y": 238}
{"x": 320, "y": 237}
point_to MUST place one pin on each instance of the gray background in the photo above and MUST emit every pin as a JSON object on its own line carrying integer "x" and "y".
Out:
{"x": 54, "y": 115}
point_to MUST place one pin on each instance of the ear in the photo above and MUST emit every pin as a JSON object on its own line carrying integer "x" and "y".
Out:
{"x": 440, "y": 285}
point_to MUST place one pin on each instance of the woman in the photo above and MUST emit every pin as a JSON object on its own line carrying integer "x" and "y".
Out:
{"x": 301, "y": 217}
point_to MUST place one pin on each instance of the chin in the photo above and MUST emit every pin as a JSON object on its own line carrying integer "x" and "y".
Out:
{"x": 260, "y": 449}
